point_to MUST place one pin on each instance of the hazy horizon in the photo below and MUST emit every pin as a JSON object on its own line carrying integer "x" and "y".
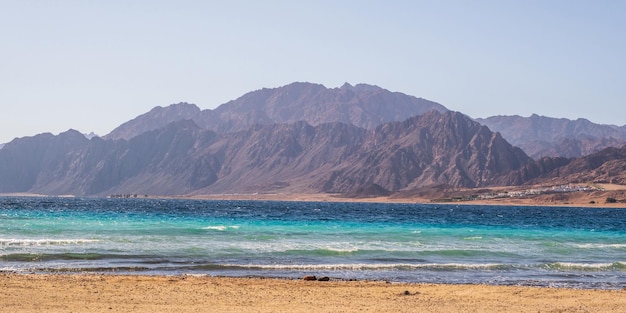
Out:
{"x": 92, "y": 66}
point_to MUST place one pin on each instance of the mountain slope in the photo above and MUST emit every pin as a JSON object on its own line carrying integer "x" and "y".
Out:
{"x": 156, "y": 118}
{"x": 435, "y": 148}
{"x": 362, "y": 105}
{"x": 542, "y": 136}
{"x": 605, "y": 166}
{"x": 281, "y": 156}
{"x": 28, "y": 162}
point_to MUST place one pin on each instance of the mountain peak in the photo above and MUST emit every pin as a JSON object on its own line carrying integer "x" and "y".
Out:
{"x": 362, "y": 105}
{"x": 346, "y": 85}
{"x": 154, "y": 119}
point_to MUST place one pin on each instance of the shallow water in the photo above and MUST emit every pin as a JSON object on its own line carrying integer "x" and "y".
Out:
{"x": 539, "y": 246}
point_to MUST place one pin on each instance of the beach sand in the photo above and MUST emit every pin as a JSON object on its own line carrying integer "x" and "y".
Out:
{"x": 108, "y": 293}
{"x": 570, "y": 199}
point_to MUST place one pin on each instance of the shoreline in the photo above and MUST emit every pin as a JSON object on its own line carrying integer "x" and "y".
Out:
{"x": 187, "y": 293}
{"x": 576, "y": 199}
{"x": 583, "y": 199}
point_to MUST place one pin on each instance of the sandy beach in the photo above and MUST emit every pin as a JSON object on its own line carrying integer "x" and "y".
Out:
{"x": 572, "y": 199}
{"x": 108, "y": 293}
{"x": 591, "y": 199}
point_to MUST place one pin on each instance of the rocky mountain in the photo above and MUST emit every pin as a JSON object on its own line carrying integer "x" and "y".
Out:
{"x": 184, "y": 158}
{"x": 156, "y": 118}
{"x": 605, "y": 166}
{"x": 368, "y": 106}
{"x": 33, "y": 162}
{"x": 364, "y": 106}
{"x": 90, "y": 135}
{"x": 541, "y": 136}
{"x": 305, "y": 138}
{"x": 431, "y": 149}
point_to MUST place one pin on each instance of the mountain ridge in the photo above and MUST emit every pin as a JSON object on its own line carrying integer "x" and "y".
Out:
{"x": 183, "y": 158}
{"x": 605, "y": 166}
{"x": 541, "y": 136}
{"x": 362, "y": 105}
{"x": 404, "y": 145}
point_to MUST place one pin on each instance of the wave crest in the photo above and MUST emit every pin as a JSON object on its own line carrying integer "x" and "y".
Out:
{"x": 44, "y": 242}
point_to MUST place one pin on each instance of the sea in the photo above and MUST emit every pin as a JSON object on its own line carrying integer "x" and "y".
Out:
{"x": 419, "y": 243}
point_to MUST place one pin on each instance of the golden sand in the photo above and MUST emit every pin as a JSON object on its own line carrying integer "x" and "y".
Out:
{"x": 107, "y": 293}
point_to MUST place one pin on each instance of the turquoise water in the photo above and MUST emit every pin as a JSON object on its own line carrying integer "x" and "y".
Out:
{"x": 566, "y": 247}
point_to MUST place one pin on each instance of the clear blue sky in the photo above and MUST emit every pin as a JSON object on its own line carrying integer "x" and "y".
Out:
{"x": 92, "y": 65}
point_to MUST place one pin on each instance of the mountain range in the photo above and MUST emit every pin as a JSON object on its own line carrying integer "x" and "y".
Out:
{"x": 182, "y": 158}
{"x": 541, "y": 136}
{"x": 364, "y": 106}
{"x": 306, "y": 138}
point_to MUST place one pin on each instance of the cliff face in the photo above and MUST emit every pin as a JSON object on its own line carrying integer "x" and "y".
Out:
{"x": 364, "y": 106}
{"x": 182, "y": 158}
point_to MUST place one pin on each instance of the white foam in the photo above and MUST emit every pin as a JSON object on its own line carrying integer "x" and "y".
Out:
{"x": 473, "y": 238}
{"x": 43, "y": 242}
{"x": 220, "y": 227}
{"x": 363, "y": 266}
{"x": 600, "y": 246}
{"x": 585, "y": 266}
{"x": 341, "y": 250}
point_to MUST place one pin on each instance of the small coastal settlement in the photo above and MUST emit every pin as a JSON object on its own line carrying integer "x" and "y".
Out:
{"x": 558, "y": 192}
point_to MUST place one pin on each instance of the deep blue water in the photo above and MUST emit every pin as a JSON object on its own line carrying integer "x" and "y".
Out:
{"x": 539, "y": 246}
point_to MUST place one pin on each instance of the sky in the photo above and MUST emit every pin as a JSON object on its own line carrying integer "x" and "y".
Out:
{"x": 93, "y": 65}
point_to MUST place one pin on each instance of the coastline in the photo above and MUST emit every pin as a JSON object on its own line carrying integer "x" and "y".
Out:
{"x": 587, "y": 199}
{"x": 126, "y": 293}
{"x": 93, "y": 292}
{"x": 575, "y": 199}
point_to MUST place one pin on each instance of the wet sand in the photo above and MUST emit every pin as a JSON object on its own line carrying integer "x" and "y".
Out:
{"x": 108, "y": 293}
